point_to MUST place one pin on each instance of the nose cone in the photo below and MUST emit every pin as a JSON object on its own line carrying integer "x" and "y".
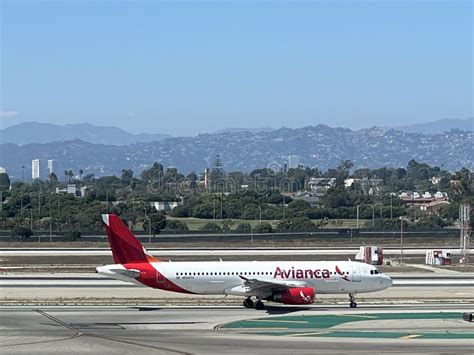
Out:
{"x": 388, "y": 281}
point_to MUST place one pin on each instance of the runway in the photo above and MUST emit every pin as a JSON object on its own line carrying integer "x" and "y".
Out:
{"x": 5, "y": 252}
{"x": 40, "y": 290}
{"x": 85, "y": 280}
{"x": 191, "y": 330}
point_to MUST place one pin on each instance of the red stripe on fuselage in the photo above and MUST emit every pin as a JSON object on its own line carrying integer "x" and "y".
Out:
{"x": 151, "y": 277}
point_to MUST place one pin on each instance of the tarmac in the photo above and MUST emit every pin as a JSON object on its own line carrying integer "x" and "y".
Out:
{"x": 218, "y": 330}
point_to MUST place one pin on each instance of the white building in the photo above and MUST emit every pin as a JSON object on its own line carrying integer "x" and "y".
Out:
{"x": 51, "y": 166}
{"x": 166, "y": 205}
{"x": 35, "y": 169}
{"x": 73, "y": 190}
{"x": 2, "y": 170}
{"x": 293, "y": 161}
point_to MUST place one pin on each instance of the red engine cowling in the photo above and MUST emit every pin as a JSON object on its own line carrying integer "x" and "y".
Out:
{"x": 297, "y": 295}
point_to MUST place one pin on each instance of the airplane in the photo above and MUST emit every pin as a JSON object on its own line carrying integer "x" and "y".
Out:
{"x": 287, "y": 282}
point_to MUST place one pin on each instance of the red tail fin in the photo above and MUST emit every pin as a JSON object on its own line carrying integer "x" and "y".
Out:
{"x": 124, "y": 245}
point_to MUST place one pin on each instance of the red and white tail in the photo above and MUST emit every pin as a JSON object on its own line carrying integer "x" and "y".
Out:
{"x": 124, "y": 245}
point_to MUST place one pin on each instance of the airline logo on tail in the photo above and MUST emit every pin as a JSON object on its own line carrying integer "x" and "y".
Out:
{"x": 125, "y": 247}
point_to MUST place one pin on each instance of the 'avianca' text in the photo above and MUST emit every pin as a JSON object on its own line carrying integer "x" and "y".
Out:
{"x": 301, "y": 274}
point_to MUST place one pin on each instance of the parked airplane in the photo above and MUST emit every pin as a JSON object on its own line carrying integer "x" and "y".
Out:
{"x": 288, "y": 282}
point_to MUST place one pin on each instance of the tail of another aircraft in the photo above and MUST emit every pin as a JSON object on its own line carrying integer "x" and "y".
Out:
{"x": 124, "y": 245}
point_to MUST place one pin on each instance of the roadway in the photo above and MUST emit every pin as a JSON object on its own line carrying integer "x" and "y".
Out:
{"x": 198, "y": 330}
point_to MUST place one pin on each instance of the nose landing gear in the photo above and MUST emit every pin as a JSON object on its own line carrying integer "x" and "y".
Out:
{"x": 352, "y": 300}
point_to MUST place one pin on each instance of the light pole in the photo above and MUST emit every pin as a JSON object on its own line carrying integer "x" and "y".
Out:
{"x": 50, "y": 219}
{"x": 373, "y": 216}
{"x": 260, "y": 210}
{"x": 149, "y": 226}
{"x": 401, "y": 239}
{"x": 358, "y": 206}
{"x": 283, "y": 206}
{"x": 391, "y": 206}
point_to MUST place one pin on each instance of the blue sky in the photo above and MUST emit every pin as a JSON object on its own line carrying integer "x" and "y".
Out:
{"x": 188, "y": 67}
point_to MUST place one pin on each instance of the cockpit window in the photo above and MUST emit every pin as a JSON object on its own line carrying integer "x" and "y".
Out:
{"x": 375, "y": 272}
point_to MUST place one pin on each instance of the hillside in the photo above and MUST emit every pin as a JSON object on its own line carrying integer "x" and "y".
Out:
{"x": 320, "y": 146}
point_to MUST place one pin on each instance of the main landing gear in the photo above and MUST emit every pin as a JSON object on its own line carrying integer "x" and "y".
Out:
{"x": 248, "y": 303}
{"x": 352, "y": 300}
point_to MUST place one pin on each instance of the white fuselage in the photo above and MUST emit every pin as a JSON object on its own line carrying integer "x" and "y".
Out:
{"x": 212, "y": 278}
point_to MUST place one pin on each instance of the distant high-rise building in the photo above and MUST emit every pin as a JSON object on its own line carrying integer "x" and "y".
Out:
{"x": 2, "y": 170}
{"x": 51, "y": 166}
{"x": 35, "y": 169}
{"x": 293, "y": 161}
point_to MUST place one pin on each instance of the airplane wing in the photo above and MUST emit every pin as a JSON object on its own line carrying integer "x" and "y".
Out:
{"x": 253, "y": 284}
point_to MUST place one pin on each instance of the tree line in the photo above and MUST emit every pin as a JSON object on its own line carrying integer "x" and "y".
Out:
{"x": 263, "y": 195}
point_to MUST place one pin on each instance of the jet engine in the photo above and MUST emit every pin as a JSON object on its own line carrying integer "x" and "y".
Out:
{"x": 297, "y": 295}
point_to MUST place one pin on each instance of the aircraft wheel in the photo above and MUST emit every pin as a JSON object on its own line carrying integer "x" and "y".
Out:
{"x": 353, "y": 305}
{"x": 248, "y": 303}
{"x": 259, "y": 306}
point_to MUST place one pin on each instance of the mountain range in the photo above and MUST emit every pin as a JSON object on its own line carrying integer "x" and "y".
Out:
{"x": 35, "y": 132}
{"x": 439, "y": 126}
{"x": 316, "y": 146}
